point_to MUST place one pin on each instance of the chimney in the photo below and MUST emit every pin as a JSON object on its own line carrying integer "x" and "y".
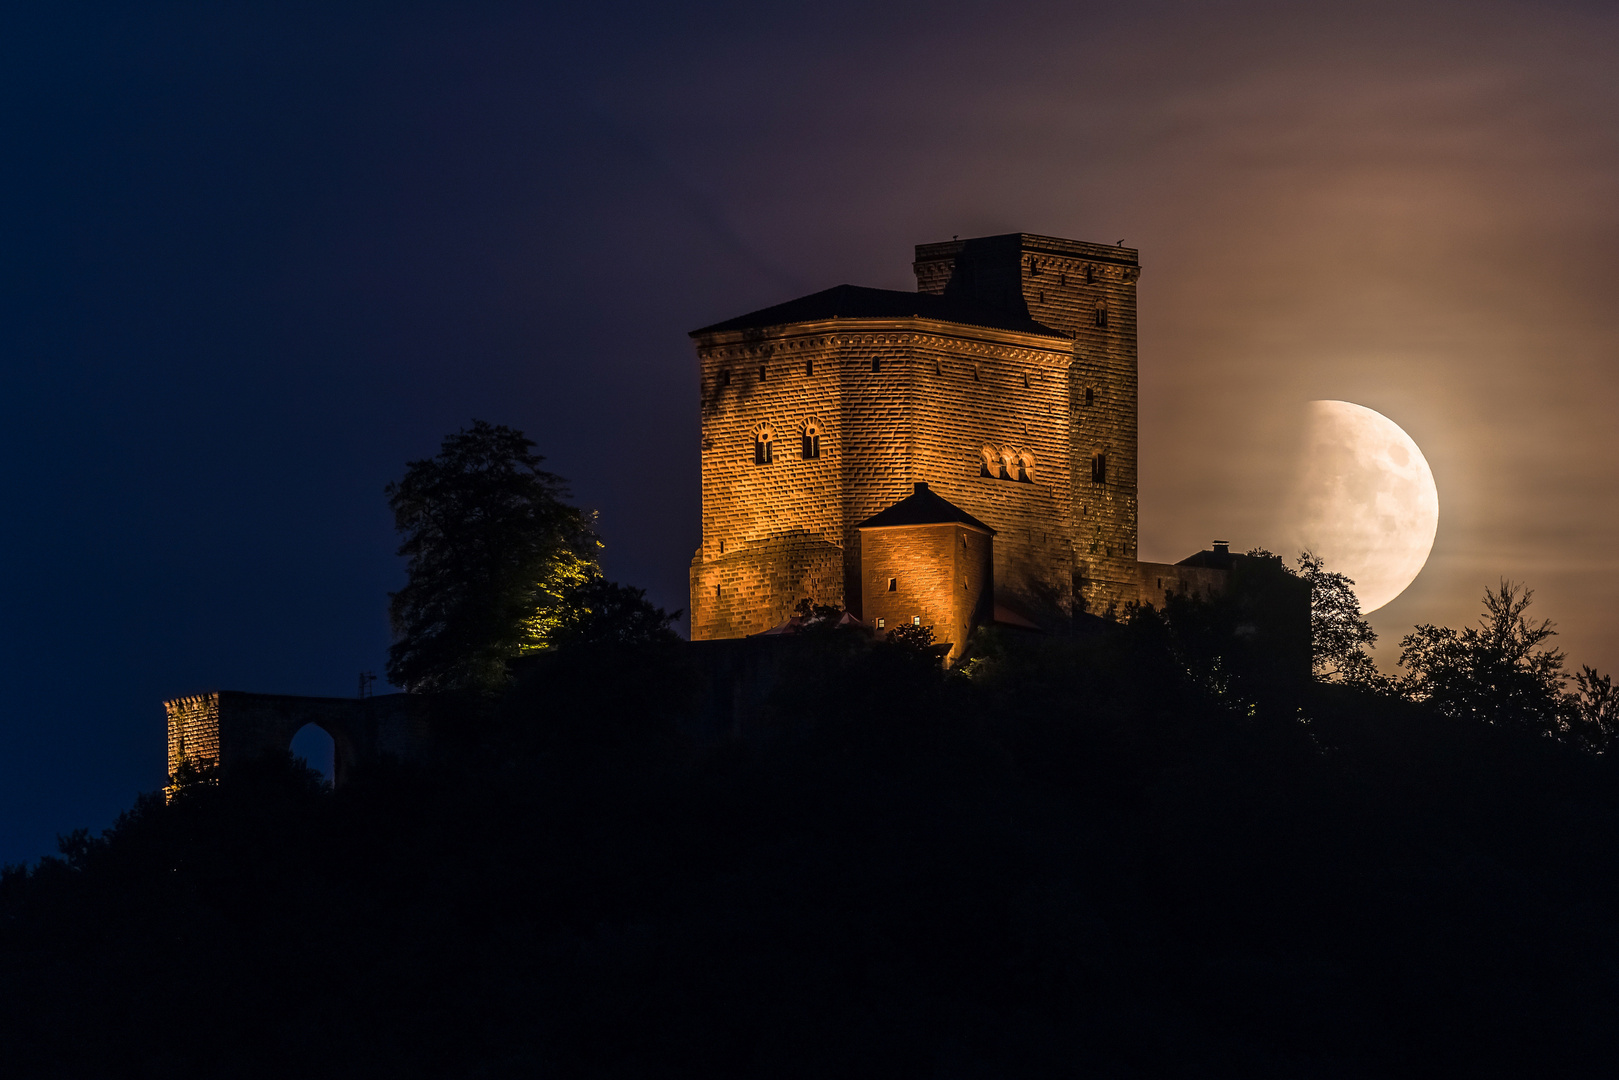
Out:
{"x": 1222, "y": 547}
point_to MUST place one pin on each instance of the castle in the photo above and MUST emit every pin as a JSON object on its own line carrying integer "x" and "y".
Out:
{"x": 1002, "y": 393}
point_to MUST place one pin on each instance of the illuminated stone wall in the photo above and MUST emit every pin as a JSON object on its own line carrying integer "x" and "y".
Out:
{"x": 193, "y": 730}
{"x": 941, "y": 575}
{"x": 1063, "y": 284}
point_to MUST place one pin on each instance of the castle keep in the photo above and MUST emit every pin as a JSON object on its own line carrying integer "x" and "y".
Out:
{"x": 1006, "y": 383}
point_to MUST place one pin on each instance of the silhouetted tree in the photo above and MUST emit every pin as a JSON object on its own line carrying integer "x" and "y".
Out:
{"x": 602, "y": 612}
{"x": 1594, "y": 711}
{"x": 1499, "y": 672}
{"x": 1339, "y": 635}
{"x": 494, "y": 552}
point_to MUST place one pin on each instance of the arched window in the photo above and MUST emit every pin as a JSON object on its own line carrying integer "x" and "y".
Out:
{"x": 1008, "y": 464}
{"x": 876, "y": 363}
{"x": 1101, "y": 313}
{"x": 811, "y": 440}
{"x": 764, "y": 444}
{"x": 1099, "y": 467}
{"x": 989, "y": 461}
{"x": 1025, "y": 467}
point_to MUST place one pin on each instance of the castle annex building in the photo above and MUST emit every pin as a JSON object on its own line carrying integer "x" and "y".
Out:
{"x": 998, "y": 401}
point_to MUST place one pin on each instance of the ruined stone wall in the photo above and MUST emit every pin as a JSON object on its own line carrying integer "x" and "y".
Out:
{"x": 228, "y": 727}
{"x": 193, "y": 730}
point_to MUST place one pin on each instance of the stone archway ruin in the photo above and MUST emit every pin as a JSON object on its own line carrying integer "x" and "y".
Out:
{"x": 228, "y": 727}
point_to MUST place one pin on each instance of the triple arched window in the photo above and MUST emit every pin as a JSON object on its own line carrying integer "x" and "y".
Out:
{"x": 1006, "y": 463}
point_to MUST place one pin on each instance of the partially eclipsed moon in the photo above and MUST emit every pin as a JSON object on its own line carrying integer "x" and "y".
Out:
{"x": 1368, "y": 504}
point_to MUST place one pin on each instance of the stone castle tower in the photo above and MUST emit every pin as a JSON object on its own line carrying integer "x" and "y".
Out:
{"x": 1006, "y": 383}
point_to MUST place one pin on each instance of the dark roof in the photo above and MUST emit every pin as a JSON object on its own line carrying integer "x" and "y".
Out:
{"x": 857, "y": 302}
{"x": 1220, "y": 558}
{"x": 922, "y": 507}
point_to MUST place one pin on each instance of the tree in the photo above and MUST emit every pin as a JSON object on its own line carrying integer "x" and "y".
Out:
{"x": 1339, "y": 634}
{"x": 1594, "y": 709}
{"x": 602, "y": 612}
{"x": 1499, "y": 672}
{"x": 494, "y": 552}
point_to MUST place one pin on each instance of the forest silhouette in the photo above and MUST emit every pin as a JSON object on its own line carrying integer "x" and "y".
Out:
{"x": 1141, "y": 848}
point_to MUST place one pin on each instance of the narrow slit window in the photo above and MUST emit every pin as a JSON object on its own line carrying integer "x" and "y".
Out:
{"x": 761, "y": 373}
{"x": 1098, "y": 468}
{"x": 809, "y": 366}
{"x": 1090, "y": 397}
{"x": 876, "y": 364}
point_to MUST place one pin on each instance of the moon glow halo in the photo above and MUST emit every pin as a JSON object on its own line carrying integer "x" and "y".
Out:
{"x": 1367, "y": 502}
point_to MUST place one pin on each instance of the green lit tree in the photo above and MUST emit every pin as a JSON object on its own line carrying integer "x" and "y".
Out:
{"x": 495, "y": 555}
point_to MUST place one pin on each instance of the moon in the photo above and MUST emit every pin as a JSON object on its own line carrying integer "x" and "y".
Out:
{"x": 1367, "y": 502}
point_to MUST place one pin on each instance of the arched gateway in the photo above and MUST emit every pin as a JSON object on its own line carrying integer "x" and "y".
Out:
{"x": 228, "y": 727}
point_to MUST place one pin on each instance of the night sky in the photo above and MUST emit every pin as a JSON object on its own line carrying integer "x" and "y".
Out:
{"x": 256, "y": 260}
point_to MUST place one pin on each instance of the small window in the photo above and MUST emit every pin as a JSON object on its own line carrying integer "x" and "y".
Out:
{"x": 893, "y": 584}
{"x": 977, "y": 375}
{"x": 809, "y": 366}
{"x": 1101, "y": 315}
{"x": 722, "y": 547}
{"x": 716, "y": 592}
{"x": 879, "y": 624}
{"x": 1090, "y": 275}
{"x": 1098, "y": 468}
{"x": 812, "y": 442}
{"x": 1034, "y": 266}
{"x": 725, "y": 378}
{"x": 1062, "y": 279}
{"x": 1025, "y": 380}
{"x": 761, "y": 373}
{"x": 876, "y": 364}
{"x": 1090, "y": 397}
{"x": 764, "y": 445}
{"x": 916, "y": 620}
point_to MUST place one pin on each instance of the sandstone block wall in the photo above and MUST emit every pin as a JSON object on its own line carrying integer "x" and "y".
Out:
{"x": 939, "y": 395}
{"x": 1064, "y": 284}
{"x": 942, "y": 575}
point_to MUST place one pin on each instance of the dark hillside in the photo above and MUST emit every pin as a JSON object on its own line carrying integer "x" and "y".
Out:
{"x": 1079, "y": 861}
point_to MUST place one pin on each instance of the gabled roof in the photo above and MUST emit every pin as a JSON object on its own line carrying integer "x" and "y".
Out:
{"x": 923, "y": 507}
{"x": 857, "y": 302}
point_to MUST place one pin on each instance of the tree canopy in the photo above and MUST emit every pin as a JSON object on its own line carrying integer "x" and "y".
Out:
{"x": 494, "y": 552}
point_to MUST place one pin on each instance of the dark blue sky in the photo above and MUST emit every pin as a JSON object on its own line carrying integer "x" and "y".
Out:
{"x": 255, "y": 260}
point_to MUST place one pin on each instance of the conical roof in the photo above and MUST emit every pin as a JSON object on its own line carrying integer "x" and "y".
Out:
{"x": 923, "y": 507}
